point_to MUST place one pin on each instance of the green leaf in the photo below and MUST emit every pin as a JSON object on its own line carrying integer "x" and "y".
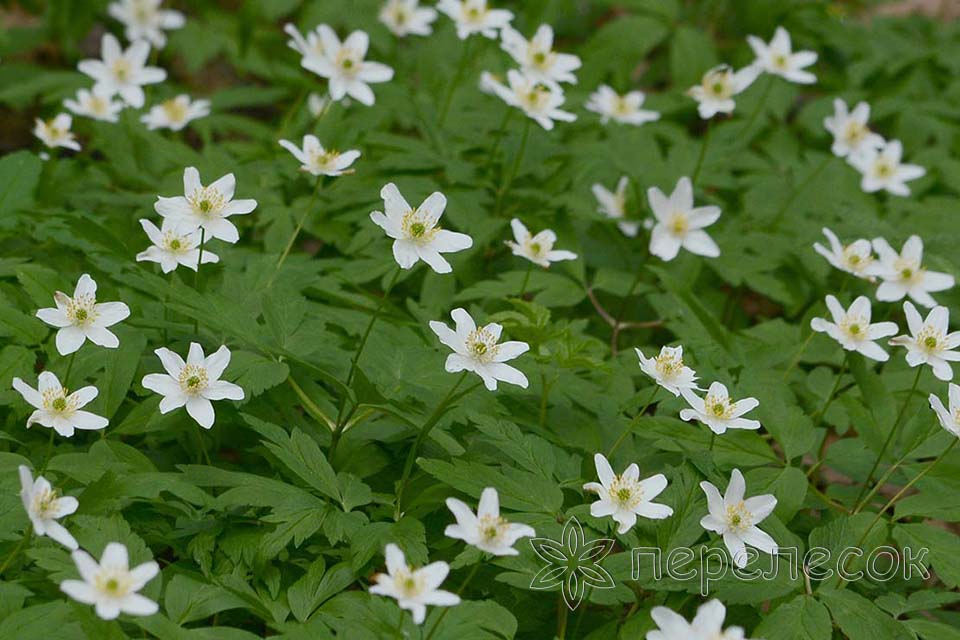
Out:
{"x": 802, "y": 618}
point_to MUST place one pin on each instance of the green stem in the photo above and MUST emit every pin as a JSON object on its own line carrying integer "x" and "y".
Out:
{"x": 713, "y": 439}
{"x": 458, "y": 76}
{"x": 796, "y": 358}
{"x": 196, "y": 278}
{"x": 309, "y": 404}
{"x": 399, "y": 629}
{"x": 778, "y": 216}
{"x": 833, "y": 392}
{"x": 66, "y": 376}
{"x": 498, "y": 138}
{"x": 703, "y": 154}
{"x": 761, "y": 103}
{"x": 296, "y": 232}
{"x": 897, "y": 496}
{"x": 13, "y": 554}
{"x": 421, "y": 437}
{"x": 526, "y": 280}
{"x": 502, "y": 191}
{"x": 203, "y": 448}
{"x": 889, "y": 440}
{"x": 633, "y": 422}
{"x": 463, "y": 587}
{"x": 562, "y": 613}
{"x": 46, "y": 456}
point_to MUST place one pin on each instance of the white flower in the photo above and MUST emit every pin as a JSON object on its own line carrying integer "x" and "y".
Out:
{"x": 949, "y": 420}
{"x": 193, "y": 383}
{"x": 680, "y": 224}
{"x": 614, "y": 205}
{"x": 344, "y": 66}
{"x": 44, "y": 506}
{"x": 851, "y": 136}
{"x": 415, "y": 233}
{"x": 122, "y": 72}
{"x": 903, "y": 273}
{"x": 172, "y": 247}
{"x": 881, "y": 169}
{"x": 317, "y": 104}
{"x": 778, "y": 58}
{"x": 852, "y": 328}
{"x": 145, "y": 20}
{"x": 316, "y": 160}
{"x": 855, "y": 258}
{"x": 56, "y": 132}
{"x": 539, "y": 101}
{"x": 81, "y": 317}
{"x": 206, "y": 207}
{"x": 175, "y": 113}
{"x": 717, "y": 411}
{"x": 474, "y": 16}
{"x": 536, "y": 57}
{"x": 626, "y": 496}
{"x": 537, "y": 249}
{"x": 58, "y": 410}
{"x": 625, "y": 108}
{"x": 96, "y": 105}
{"x": 668, "y": 370}
{"x": 929, "y": 341}
{"x": 736, "y": 519}
{"x": 707, "y": 625}
{"x": 406, "y": 17}
{"x": 110, "y": 585}
{"x": 476, "y": 349}
{"x": 412, "y": 588}
{"x": 719, "y": 85}
{"x": 310, "y": 47}
{"x": 486, "y": 530}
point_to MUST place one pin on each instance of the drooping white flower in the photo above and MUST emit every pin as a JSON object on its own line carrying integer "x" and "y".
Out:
{"x": 56, "y": 132}
{"x": 779, "y": 59}
{"x": 903, "y": 273}
{"x": 58, "y": 409}
{"x": 145, "y": 20}
{"x": 172, "y": 247}
{"x": 317, "y": 104}
{"x": 718, "y": 87}
{"x": 536, "y": 56}
{"x": 613, "y": 204}
{"x": 122, "y": 71}
{"x": 736, "y": 519}
{"x": 81, "y": 317}
{"x": 706, "y": 625}
{"x": 626, "y": 496}
{"x": 475, "y": 16}
{"x": 206, "y": 207}
{"x": 930, "y": 341}
{"x": 680, "y": 224}
{"x": 855, "y": 258}
{"x": 343, "y": 64}
{"x": 413, "y": 588}
{"x": 486, "y": 530}
{"x": 538, "y": 249}
{"x": 882, "y": 169}
{"x": 539, "y": 101}
{"x": 625, "y": 108}
{"x": 175, "y": 113}
{"x": 717, "y": 411}
{"x": 317, "y": 161}
{"x": 44, "y": 506}
{"x": 194, "y": 383}
{"x": 476, "y": 349}
{"x": 111, "y": 585}
{"x": 407, "y": 17}
{"x": 851, "y": 135}
{"x": 310, "y": 47}
{"x": 949, "y": 420}
{"x": 415, "y": 233}
{"x": 92, "y": 104}
{"x": 668, "y": 370}
{"x": 852, "y": 328}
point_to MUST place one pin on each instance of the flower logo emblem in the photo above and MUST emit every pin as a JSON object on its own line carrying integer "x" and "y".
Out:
{"x": 572, "y": 564}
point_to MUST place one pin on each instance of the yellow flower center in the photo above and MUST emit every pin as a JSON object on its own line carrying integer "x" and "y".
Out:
{"x": 416, "y": 226}
{"x": 718, "y": 407}
{"x": 679, "y": 225}
{"x": 780, "y": 61}
{"x": 625, "y": 493}
{"x": 930, "y": 339}
{"x": 113, "y": 583}
{"x": 82, "y": 310}
{"x": 44, "y": 503}
{"x": 121, "y": 69}
{"x": 668, "y": 364}
{"x": 58, "y": 401}
{"x": 738, "y": 518}
{"x": 206, "y": 201}
{"x": 176, "y": 110}
{"x": 482, "y": 345}
{"x": 193, "y": 379}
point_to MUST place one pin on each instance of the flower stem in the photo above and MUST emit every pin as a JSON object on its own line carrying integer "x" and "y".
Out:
{"x": 46, "y": 456}
{"x": 713, "y": 439}
{"x": 458, "y": 76}
{"x": 463, "y": 586}
{"x": 399, "y": 629}
{"x": 703, "y": 154}
{"x": 633, "y": 422}
{"x": 296, "y": 232}
{"x": 203, "y": 448}
{"x": 778, "y": 216}
{"x": 526, "y": 280}
{"x": 502, "y": 191}
{"x": 421, "y": 437}
{"x": 498, "y": 138}
{"x": 896, "y": 497}
{"x": 66, "y": 376}
{"x": 833, "y": 392}
{"x": 16, "y": 550}
{"x": 860, "y": 503}
{"x": 339, "y": 424}
{"x": 761, "y": 103}
{"x": 196, "y": 279}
